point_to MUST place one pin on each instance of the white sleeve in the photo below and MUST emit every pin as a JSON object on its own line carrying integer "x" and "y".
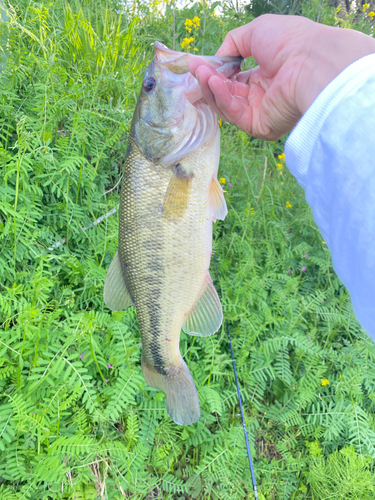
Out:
{"x": 331, "y": 152}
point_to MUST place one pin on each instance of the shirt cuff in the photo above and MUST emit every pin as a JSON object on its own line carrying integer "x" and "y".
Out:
{"x": 300, "y": 144}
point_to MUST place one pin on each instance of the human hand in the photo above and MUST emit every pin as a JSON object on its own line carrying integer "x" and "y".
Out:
{"x": 297, "y": 58}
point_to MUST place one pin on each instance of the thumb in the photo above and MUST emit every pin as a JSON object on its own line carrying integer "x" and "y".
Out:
{"x": 238, "y": 41}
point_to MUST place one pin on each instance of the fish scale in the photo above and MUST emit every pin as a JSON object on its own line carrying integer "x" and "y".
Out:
{"x": 169, "y": 198}
{"x": 160, "y": 254}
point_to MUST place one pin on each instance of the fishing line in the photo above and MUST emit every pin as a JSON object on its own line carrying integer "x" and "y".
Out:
{"x": 238, "y": 390}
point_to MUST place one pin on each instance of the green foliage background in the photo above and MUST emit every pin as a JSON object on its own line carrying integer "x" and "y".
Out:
{"x": 76, "y": 417}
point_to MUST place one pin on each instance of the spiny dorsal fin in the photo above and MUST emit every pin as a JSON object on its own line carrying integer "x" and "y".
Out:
{"x": 178, "y": 193}
{"x": 217, "y": 201}
{"x": 206, "y": 315}
{"x": 115, "y": 294}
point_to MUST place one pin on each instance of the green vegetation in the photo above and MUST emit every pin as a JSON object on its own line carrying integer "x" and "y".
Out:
{"x": 76, "y": 417}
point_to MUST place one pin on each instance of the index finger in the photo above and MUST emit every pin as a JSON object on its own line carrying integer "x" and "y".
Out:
{"x": 196, "y": 62}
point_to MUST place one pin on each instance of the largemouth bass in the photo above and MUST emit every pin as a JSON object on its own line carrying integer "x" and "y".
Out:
{"x": 170, "y": 196}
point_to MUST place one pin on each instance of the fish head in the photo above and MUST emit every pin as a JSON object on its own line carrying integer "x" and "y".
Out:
{"x": 171, "y": 119}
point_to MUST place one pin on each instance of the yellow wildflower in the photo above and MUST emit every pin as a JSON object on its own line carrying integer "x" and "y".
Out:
{"x": 371, "y": 14}
{"x": 265, "y": 413}
{"x": 195, "y": 48}
{"x": 220, "y": 122}
{"x": 188, "y": 22}
{"x": 340, "y": 377}
{"x": 288, "y": 205}
{"x": 324, "y": 243}
{"x": 282, "y": 157}
{"x": 366, "y": 6}
{"x": 282, "y": 183}
{"x": 196, "y": 21}
{"x": 279, "y": 166}
{"x": 222, "y": 180}
{"x": 186, "y": 42}
{"x": 325, "y": 381}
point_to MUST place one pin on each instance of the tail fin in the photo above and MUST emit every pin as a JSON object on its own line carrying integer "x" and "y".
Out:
{"x": 178, "y": 385}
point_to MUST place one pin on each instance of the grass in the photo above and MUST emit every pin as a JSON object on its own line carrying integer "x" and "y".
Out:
{"x": 76, "y": 417}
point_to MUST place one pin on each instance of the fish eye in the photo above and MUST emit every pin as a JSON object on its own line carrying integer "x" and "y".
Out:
{"x": 149, "y": 84}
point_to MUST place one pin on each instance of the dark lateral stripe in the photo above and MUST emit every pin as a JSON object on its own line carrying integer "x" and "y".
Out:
{"x": 144, "y": 272}
{"x": 156, "y": 331}
{"x": 153, "y": 307}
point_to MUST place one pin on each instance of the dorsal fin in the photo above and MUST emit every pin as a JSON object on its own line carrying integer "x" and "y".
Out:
{"x": 206, "y": 315}
{"x": 115, "y": 294}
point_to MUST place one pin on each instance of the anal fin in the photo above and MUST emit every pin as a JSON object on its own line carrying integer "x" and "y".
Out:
{"x": 206, "y": 316}
{"x": 115, "y": 294}
{"x": 217, "y": 201}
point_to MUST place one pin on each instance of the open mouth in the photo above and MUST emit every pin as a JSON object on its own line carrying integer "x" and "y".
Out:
{"x": 178, "y": 65}
{"x": 178, "y": 62}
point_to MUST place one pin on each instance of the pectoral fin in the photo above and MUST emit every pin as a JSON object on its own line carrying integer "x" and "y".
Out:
{"x": 115, "y": 294}
{"x": 217, "y": 201}
{"x": 177, "y": 196}
{"x": 206, "y": 316}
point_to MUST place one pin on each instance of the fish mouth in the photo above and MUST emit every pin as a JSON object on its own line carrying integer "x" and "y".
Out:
{"x": 178, "y": 64}
{"x": 194, "y": 123}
